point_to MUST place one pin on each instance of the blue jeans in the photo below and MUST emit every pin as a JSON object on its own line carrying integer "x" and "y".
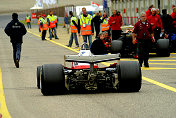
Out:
{"x": 73, "y": 35}
{"x": 29, "y": 25}
{"x": 89, "y": 38}
{"x": 16, "y": 51}
{"x": 54, "y": 31}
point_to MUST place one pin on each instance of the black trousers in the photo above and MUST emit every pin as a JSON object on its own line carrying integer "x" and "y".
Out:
{"x": 56, "y": 25}
{"x": 44, "y": 34}
{"x": 116, "y": 34}
{"x": 97, "y": 29}
{"x": 29, "y": 25}
{"x": 157, "y": 32}
{"x": 16, "y": 51}
{"x": 144, "y": 47}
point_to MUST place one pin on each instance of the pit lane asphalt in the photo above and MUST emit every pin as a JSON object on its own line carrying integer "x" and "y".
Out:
{"x": 24, "y": 100}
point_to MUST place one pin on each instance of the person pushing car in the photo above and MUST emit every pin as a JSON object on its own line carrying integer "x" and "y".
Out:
{"x": 144, "y": 38}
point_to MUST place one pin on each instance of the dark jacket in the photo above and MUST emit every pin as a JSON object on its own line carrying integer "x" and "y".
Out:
{"x": 167, "y": 22}
{"x": 15, "y": 30}
{"x": 98, "y": 47}
{"x": 96, "y": 21}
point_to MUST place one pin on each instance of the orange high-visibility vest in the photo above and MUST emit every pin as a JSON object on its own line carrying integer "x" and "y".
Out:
{"x": 73, "y": 29}
{"x": 38, "y": 22}
{"x": 105, "y": 26}
{"x": 28, "y": 19}
{"x": 45, "y": 26}
{"x": 52, "y": 21}
{"x": 72, "y": 26}
{"x": 87, "y": 21}
{"x": 56, "y": 19}
{"x": 52, "y": 24}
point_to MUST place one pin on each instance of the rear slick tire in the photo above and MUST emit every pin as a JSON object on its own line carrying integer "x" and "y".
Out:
{"x": 130, "y": 77}
{"x": 52, "y": 79}
{"x": 38, "y": 76}
{"x": 163, "y": 48}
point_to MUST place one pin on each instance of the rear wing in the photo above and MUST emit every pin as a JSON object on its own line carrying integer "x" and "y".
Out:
{"x": 92, "y": 58}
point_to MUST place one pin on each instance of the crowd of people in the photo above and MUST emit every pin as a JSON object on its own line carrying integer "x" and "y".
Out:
{"x": 150, "y": 26}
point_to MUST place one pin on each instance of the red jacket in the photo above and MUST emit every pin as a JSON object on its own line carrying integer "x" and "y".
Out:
{"x": 173, "y": 15}
{"x": 156, "y": 20}
{"x": 143, "y": 31}
{"x": 118, "y": 24}
{"x": 148, "y": 13}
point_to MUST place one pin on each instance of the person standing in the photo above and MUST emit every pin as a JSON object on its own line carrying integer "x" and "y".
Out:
{"x": 144, "y": 38}
{"x": 44, "y": 27}
{"x": 40, "y": 16}
{"x": 167, "y": 21}
{"x": 173, "y": 7}
{"x": 173, "y": 15}
{"x": 100, "y": 14}
{"x": 156, "y": 23}
{"x": 56, "y": 20}
{"x": 115, "y": 22}
{"x": 158, "y": 12}
{"x": 16, "y": 30}
{"x": 86, "y": 27}
{"x": 96, "y": 21}
{"x": 52, "y": 25}
{"x": 65, "y": 19}
{"x": 104, "y": 23}
{"x": 148, "y": 12}
{"x": 74, "y": 30}
{"x": 66, "y": 22}
{"x": 28, "y": 21}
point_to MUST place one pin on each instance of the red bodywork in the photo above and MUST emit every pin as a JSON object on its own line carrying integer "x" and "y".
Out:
{"x": 86, "y": 66}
